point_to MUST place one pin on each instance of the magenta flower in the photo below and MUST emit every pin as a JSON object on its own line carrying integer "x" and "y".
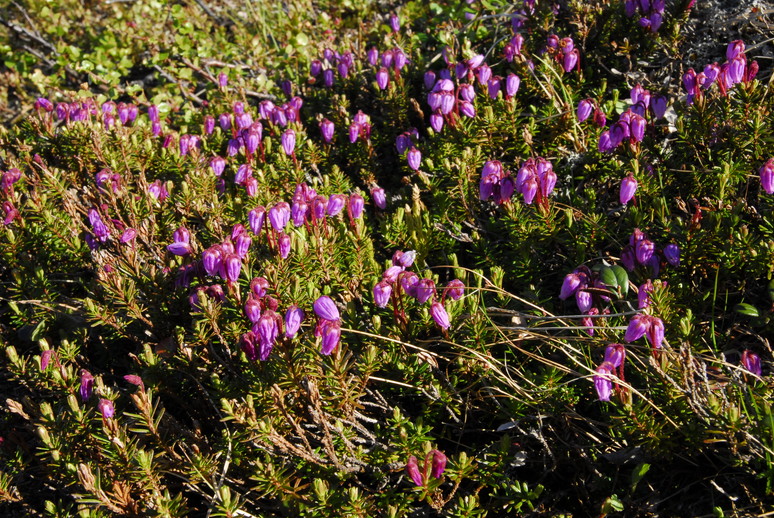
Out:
{"x": 355, "y": 206}
{"x": 284, "y": 245}
{"x": 570, "y": 60}
{"x": 615, "y": 355}
{"x": 412, "y": 469}
{"x": 414, "y": 158}
{"x": 637, "y": 328}
{"x": 325, "y": 308}
{"x": 105, "y": 407}
{"x": 570, "y": 285}
{"x": 585, "y": 107}
{"x": 438, "y": 465}
{"x": 602, "y": 383}
{"x": 179, "y": 248}
{"x": 330, "y": 333}
{"x": 288, "y": 140}
{"x": 425, "y": 290}
{"x": 584, "y": 300}
{"x": 294, "y": 316}
{"x": 326, "y": 130}
{"x": 455, "y": 289}
{"x": 751, "y": 362}
{"x": 382, "y": 292}
{"x": 382, "y": 78}
{"x": 379, "y": 197}
{"x": 267, "y": 330}
{"x": 279, "y": 215}
{"x": 87, "y": 385}
{"x": 767, "y": 176}
{"x": 439, "y": 314}
{"x": 655, "y": 332}
{"x": 643, "y": 250}
{"x": 643, "y": 295}
{"x": 232, "y": 265}
{"x": 628, "y": 188}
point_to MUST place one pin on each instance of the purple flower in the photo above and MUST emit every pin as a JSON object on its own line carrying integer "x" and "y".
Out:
{"x": 255, "y": 219}
{"x": 615, "y": 355}
{"x": 570, "y": 60}
{"x": 425, "y": 290}
{"x": 267, "y": 330}
{"x": 279, "y": 215}
{"x": 179, "y": 248}
{"x": 294, "y": 316}
{"x": 637, "y": 126}
{"x": 602, "y": 383}
{"x": 583, "y": 300}
{"x": 767, "y": 176}
{"x": 414, "y": 158}
{"x": 512, "y": 83}
{"x": 284, "y": 245}
{"x": 643, "y": 250}
{"x": 628, "y": 188}
{"x": 253, "y": 309}
{"x": 637, "y": 328}
{"x": 382, "y": 292}
{"x": 288, "y": 141}
{"x": 751, "y": 362}
{"x": 455, "y": 289}
{"x": 336, "y": 204}
{"x": 355, "y": 206}
{"x": 412, "y": 469}
{"x": 87, "y": 385}
{"x": 326, "y": 130}
{"x": 382, "y": 78}
{"x": 643, "y": 295}
{"x": 570, "y": 285}
{"x": 655, "y": 332}
{"x": 105, "y": 407}
{"x": 298, "y": 212}
{"x": 734, "y": 49}
{"x": 438, "y": 465}
{"x": 672, "y": 254}
{"x": 325, "y": 308}
{"x": 380, "y": 199}
{"x": 436, "y": 121}
{"x": 585, "y": 107}
{"x": 232, "y": 265}
{"x": 330, "y": 333}
{"x": 439, "y": 314}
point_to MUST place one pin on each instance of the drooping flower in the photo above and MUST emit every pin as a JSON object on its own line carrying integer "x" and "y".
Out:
{"x": 672, "y": 254}
{"x": 438, "y": 464}
{"x": 637, "y": 328}
{"x": 751, "y": 362}
{"x": 330, "y": 332}
{"x": 105, "y": 407}
{"x": 325, "y": 308}
{"x": 628, "y": 188}
{"x": 382, "y": 292}
{"x": 767, "y": 176}
{"x": 379, "y": 197}
{"x": 294, "y": 316}
{"x": 602, "y": 383}
{"x": 439, "y": 314}
{"x": 87, "y": 385}
{"x": 585, "y": 107}
{"x": 412, "y": 468}
{"x": 615, "y": 355}
{"x": 455, "y": 289}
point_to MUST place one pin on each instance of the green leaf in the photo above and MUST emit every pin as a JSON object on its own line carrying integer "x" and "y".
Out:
{"x": 638, "y": 473}
{"x": 608, "y": 276}
{"x": 747, "y": 309}
{"x": 622, "y": 277}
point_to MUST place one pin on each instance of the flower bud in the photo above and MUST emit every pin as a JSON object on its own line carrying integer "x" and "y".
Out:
{"x": 325, "y": 308}
{"x": 412, "y": 469}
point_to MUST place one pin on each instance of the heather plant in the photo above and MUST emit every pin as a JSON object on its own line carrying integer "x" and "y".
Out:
{"x": 328, "y": 260}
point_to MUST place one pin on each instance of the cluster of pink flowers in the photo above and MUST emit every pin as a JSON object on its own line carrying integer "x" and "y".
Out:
{"x": 329, "y": 63}
{"x": 564, "y": 52}
{"x": 651, "y": 12}
{"x": 535, "y": 180}
{"x": 652, "y": 328}
{"x": 267, "y": 324}
{"x": 397, "y": 280}
{"x": 631, "y": 124}
{"x": 435, "y": 464}
{"x": 642, "y": 251}
{"x": 7, "y": 181}
{"x": 735, "y": 70}
{"x": 406, "y": 143}
{"x": 394, "y": 59}
{"x": 605, "y": 376}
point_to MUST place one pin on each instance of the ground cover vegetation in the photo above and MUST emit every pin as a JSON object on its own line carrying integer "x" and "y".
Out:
{"x": 384, "y": 259}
